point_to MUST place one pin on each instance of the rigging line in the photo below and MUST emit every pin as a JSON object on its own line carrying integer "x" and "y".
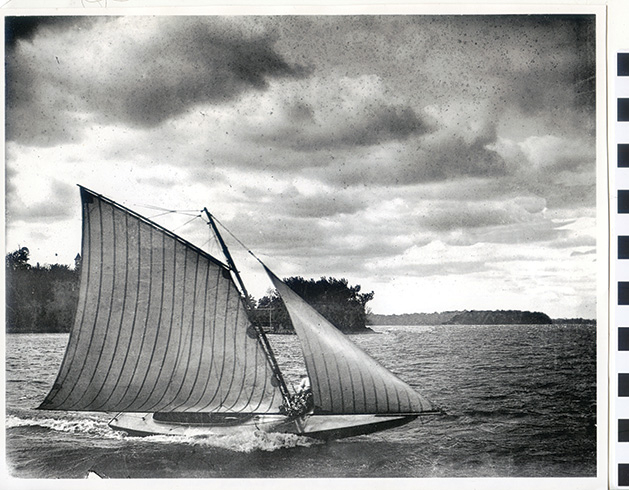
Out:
{"x": 212, "y": 241}
{"x": 237, "y": 240}
{"x": 161, "y": 214}
{"x": 187, "y": 222}
{"x": 174, "y": 211}
{"x": 158, "y": 208}
{"x": 185, "y": 212}
{"x": 209, "y": 241}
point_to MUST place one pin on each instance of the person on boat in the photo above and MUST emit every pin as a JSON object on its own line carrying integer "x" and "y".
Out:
{"x": 304, "y": 384}
{"x": 304, "y": 395}
{"x": 301, "y": 402}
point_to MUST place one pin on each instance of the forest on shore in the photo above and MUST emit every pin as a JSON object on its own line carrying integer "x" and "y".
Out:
{"x": 40, "y": 299}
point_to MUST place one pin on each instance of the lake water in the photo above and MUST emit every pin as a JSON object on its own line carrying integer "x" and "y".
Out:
{"x": 520, "y": 401}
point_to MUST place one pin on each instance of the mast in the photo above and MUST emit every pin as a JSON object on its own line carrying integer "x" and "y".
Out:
{"x": 228, "y": 257}
{"x": 262, "y": 338}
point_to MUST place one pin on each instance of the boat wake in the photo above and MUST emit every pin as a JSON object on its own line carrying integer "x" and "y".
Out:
{"x": 97, "y": 427}
{"x": 86, "y": 425}
{"x": 242, "y": 443}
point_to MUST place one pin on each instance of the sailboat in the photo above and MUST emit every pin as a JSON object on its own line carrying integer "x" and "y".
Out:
{"x": 162, "y": 339}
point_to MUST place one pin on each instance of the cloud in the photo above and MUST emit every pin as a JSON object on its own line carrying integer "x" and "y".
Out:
{"x": 433, "y": 158}
{"x": 378, "y": 125}
{"x": 325, "y": 114}
{"x": 561, "y": 169}
{"x": 556, "y": 153}
{"x": 539, "y": 65}
{"x": 50, "y": 206}
{"x": 27, "y": 28}
{"x": 587, "y": 252}
{"x": 482, "y": 214}
{"x": 511, "y": 233}
{"x": 323, "y": 205}
{"x": 143, "y": 78}
{"x": 542, "y": 86}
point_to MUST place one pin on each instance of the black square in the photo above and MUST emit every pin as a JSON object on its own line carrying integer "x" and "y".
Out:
{"x": 623, "y": 338}
{"x": 623, "y": 247}
{"x": 623, "y": 430}
{"x": 623, "y": 293}
{"x": 623, "y": 475}
{"x": 623, "y": 384}
{"x": 623, "y": 155}
{"x": 623, "y": 110}
{"x": 623, "y": 64}
{"x": 623, "y": 201}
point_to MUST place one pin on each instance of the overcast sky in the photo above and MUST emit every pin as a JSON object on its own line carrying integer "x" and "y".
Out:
{"x": 444, "y": 163}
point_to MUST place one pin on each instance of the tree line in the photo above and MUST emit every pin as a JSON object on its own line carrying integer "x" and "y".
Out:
{"x": 44, "y": 298}
{"x": 39, "y": 298}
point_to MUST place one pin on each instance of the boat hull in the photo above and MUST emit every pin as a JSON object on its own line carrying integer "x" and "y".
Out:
{"x": 340, "y": 426}
{"x": 310, "y": 425}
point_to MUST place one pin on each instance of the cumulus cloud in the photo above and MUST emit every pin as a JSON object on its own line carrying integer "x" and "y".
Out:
{"x": 465, "y": 215}
{"x": 328, "y": 114}
{"x": 322, "y": 205}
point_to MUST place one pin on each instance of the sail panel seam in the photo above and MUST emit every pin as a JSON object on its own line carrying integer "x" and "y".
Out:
{"x": 220, "y": 374}
{"x": 96, "y": 315}
{"x": 206, "y": 270}
{"x": 107, "y": 326}
{"x": 212, "y": 342}
{"x": 122, "y": 314}
{"x": 133, "y": 325}
{"x": 233, "y": 363}
{"x": 146, "y": 320}
{"x": 191, "y": 334}
{"x": 158, "y": 328}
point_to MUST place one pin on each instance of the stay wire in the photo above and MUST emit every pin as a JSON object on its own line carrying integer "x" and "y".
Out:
{"x": 185, "y": 212}
{"x": 187, "y": 222}
{"x": 237, "y": 240}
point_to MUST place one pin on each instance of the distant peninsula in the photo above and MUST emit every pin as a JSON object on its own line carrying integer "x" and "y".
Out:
{"x": 501, "y": 317}
{"x": 474, "y": 317}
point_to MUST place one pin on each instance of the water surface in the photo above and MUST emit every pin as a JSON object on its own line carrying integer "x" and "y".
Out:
{"x": 520, "y": 401}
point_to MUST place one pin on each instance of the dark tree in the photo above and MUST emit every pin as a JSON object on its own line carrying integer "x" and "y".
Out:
{"x": 18, "y": 260}
{"x": 341, "y": 304}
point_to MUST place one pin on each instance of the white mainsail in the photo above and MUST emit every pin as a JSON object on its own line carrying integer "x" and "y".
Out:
{"x": 344, "y": 378}
{"x": 160, "y": 326}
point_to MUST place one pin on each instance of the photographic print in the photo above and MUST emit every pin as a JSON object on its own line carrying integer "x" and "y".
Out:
{"x": 360, "y": 245}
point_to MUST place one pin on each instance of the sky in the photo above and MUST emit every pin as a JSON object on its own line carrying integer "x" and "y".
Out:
{"x": 442, "y": 162}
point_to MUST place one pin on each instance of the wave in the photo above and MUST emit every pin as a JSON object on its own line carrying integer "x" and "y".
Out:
{"x": 240, "y": 442}
{"x": 86, "y": 425}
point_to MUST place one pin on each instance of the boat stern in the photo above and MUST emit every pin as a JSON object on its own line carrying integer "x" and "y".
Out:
{"x": 341, "y": 426}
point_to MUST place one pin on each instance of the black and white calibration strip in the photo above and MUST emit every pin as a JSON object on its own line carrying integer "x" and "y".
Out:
{"x": 619, "y": 285}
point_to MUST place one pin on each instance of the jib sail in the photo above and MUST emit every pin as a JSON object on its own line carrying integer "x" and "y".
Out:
{"x": 344, "y": 378}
